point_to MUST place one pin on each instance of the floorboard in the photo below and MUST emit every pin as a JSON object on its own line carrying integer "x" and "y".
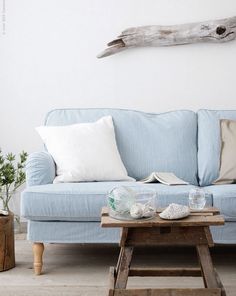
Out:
{"x": 71, "y": 269}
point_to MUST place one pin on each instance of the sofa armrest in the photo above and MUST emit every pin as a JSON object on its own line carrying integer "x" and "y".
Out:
{"x": 40, "y": 169}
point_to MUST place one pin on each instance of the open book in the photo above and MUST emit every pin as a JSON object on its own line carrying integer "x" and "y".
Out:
{"x": 164, "y": 178}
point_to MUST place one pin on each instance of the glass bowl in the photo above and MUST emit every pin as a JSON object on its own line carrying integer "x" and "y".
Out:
{"x": 131, "y": 203}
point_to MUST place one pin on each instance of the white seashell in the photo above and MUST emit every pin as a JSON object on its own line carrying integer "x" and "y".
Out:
{"x": 148, "y": 211}
{"x": 136, "y": 211}
{"x": 175, "y": 211}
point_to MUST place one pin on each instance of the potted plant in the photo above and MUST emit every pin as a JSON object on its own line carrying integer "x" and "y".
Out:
{"x": 12, "y": 176}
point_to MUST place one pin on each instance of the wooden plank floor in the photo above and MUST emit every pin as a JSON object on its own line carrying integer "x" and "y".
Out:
{"x": 83, "y": 270}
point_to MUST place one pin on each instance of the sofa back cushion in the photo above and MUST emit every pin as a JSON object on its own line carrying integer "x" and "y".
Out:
{"x": 209, "y": 143}
{"x": 146, "y": 142}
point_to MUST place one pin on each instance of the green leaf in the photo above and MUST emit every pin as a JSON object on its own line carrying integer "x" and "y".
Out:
{"x": 10, "y": 157}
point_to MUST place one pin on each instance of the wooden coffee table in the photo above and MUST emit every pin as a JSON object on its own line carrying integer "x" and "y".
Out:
{"x": 191, "y": 231}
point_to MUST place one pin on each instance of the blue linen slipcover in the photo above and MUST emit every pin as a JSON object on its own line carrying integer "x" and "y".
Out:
{"x": 71, "y": 232}
{"x": 224, "y": 198}
{"x": 224, "y": 234}
{"x": 146, "y": 142}
{"x": 83, "y": 201}
{"x": 70, "y": 212}
{"x": 40, "y": 169}
{"x": 92, "y": 232}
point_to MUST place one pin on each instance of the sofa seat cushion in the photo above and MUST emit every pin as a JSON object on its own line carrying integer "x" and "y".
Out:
{"x": 224, "y": 198}
{"x": 83, "y": 201}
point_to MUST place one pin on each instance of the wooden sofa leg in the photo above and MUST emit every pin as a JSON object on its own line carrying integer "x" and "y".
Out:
{"x": 38, "y": 249}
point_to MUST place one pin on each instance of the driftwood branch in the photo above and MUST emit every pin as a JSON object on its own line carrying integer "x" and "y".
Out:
{"x": 211, "y": 31}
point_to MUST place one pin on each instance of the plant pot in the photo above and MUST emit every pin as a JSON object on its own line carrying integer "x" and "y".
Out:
{"x": 7, "y": 242}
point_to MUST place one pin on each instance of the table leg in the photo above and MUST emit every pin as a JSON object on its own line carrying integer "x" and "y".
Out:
{"x": 111, "y": 281}
{"x": 119, "y": 259}
{"x": 123, "y": 267}
{"x": 207, "y": 268}
{"x": 220, "y": 285}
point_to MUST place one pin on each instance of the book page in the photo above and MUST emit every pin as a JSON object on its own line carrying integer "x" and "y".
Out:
{"x": 169, "y": 179}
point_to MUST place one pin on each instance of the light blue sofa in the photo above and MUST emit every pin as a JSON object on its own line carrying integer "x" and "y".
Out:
{"x": 183, "y": 142}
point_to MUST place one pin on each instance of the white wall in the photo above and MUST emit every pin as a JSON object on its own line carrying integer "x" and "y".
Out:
{"x": 48, "y": 60}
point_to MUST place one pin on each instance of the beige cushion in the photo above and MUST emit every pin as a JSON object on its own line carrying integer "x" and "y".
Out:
{"x": 227, "y": 173}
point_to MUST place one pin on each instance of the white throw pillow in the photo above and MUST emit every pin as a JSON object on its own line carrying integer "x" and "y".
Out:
{"x": 85, "y": 151}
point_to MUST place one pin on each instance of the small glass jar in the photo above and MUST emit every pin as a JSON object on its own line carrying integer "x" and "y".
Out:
{"x": 197, "y": 199}
{"x": 129, "y": 203}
